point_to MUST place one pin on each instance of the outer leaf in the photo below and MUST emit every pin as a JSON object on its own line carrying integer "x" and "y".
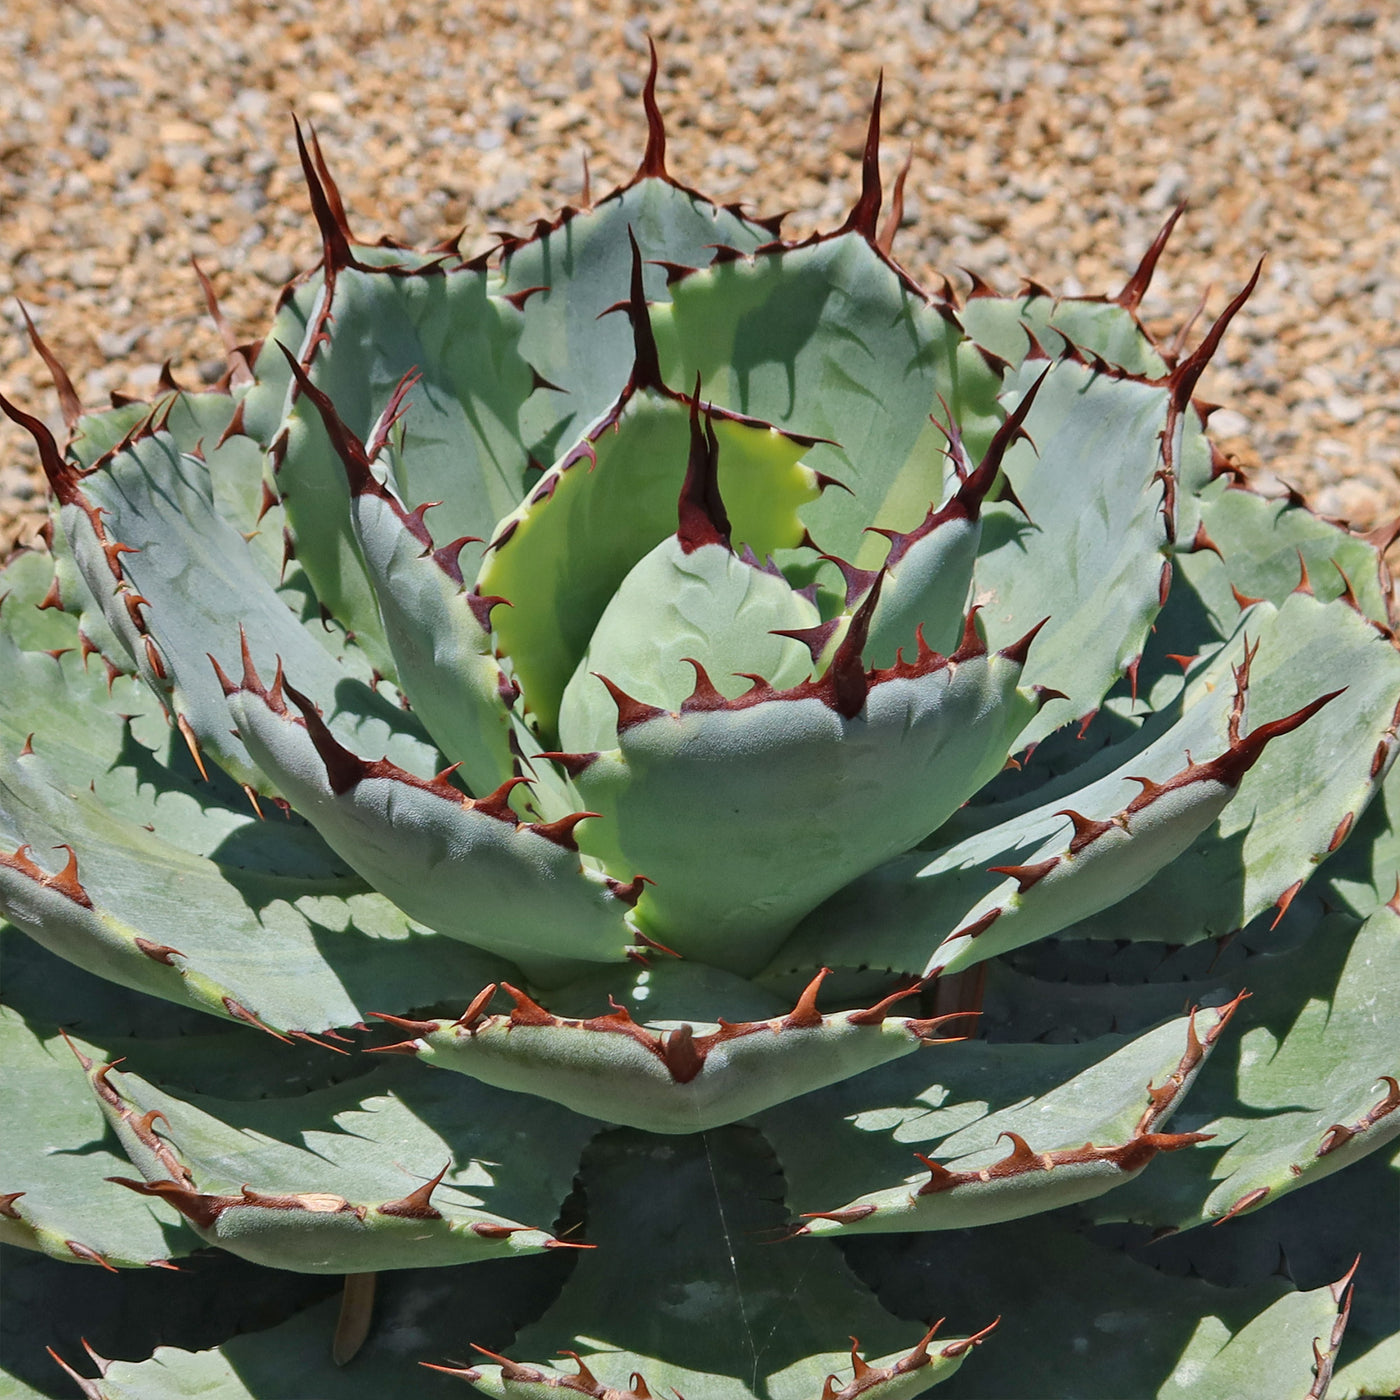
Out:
{"x": 466, "y": 868}
{"x": 58, "y": 1201}
{"x": 27, "y": 614}
{"x": 1375, "y": 1373}
{"x": 1058, "y": 1104}
{"x": 1361, "y": 876}
{"x": 1313, "y": 1238}
{"x": 1267, "y": 1351}
{"x": 1305, "y": 1094}
{"x": 1101, "y": 1326}
{"x": 1302, "y": 798}
{"x": 267, "y": 400}
{"x": 1240, "y": 546}
{"x": 916, "y": 912}
{"x": 205, "y": 424}
{"x": 440, "y": 638}
{"x": 462, "y": 442}
{"x": 665, "y": 1076}
{"x": 418, "y": 1313}
{"x": 1091, "y": 554}
{"x": 1268, "y": 544}
{"x": 1093, "y": 326}
{"x": 286, "y": 937}
{"x": 200, "y": 582}
{"x": 322, "y": 1183}
{"x": 756, "y": 1328}
{"x": 80, "y": 732}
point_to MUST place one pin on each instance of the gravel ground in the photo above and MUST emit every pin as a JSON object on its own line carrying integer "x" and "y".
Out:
{"x": 1049, "y": 140}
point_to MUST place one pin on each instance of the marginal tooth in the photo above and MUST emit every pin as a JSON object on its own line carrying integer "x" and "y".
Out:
{"x": 846, "y": 679}
{"x": 1026, "y": 875}
{"x": 1020, "y": 649}
{"x": 704, "y": 696}
{"x": 476, "y": 1008}
{"x": 417, "y": 1205}
{"x": 497, "y": 804}
{"x": 1184, "y": 377}
{"x": 681, "y": 1055}
{"x": 701, "y": 516}
{"x": 1130, "y": 298}
{"x": 972, "y": 645}
{"x": 865, "y": 213}
{"x": 805, "y": 1014}
{"x": 527, "y": 1012}
{"x": 1086, "y": 829}
{"x": 629, "y": 710}
{"x": 561, "y": 832}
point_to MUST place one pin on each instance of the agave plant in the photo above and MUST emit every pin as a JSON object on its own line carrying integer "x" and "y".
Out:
{"x": 685, "y": 799}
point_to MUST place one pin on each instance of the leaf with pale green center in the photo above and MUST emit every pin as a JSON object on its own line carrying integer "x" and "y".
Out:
{"x": 828, "y": 339}
{"x": 561, "y": 557}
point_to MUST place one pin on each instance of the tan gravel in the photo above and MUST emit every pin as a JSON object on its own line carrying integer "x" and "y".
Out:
{"x": 1050, "y": 139}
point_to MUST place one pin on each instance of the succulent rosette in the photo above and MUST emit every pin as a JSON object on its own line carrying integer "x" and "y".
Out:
{"x": 682, "y": 799}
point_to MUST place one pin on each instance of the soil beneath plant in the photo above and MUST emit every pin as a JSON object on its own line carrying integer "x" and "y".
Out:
{"x": 1049, "y": 141}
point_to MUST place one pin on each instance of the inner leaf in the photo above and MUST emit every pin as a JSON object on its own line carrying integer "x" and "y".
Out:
{"x": 560, "y": 558}
{"x": 706, "y": 606}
